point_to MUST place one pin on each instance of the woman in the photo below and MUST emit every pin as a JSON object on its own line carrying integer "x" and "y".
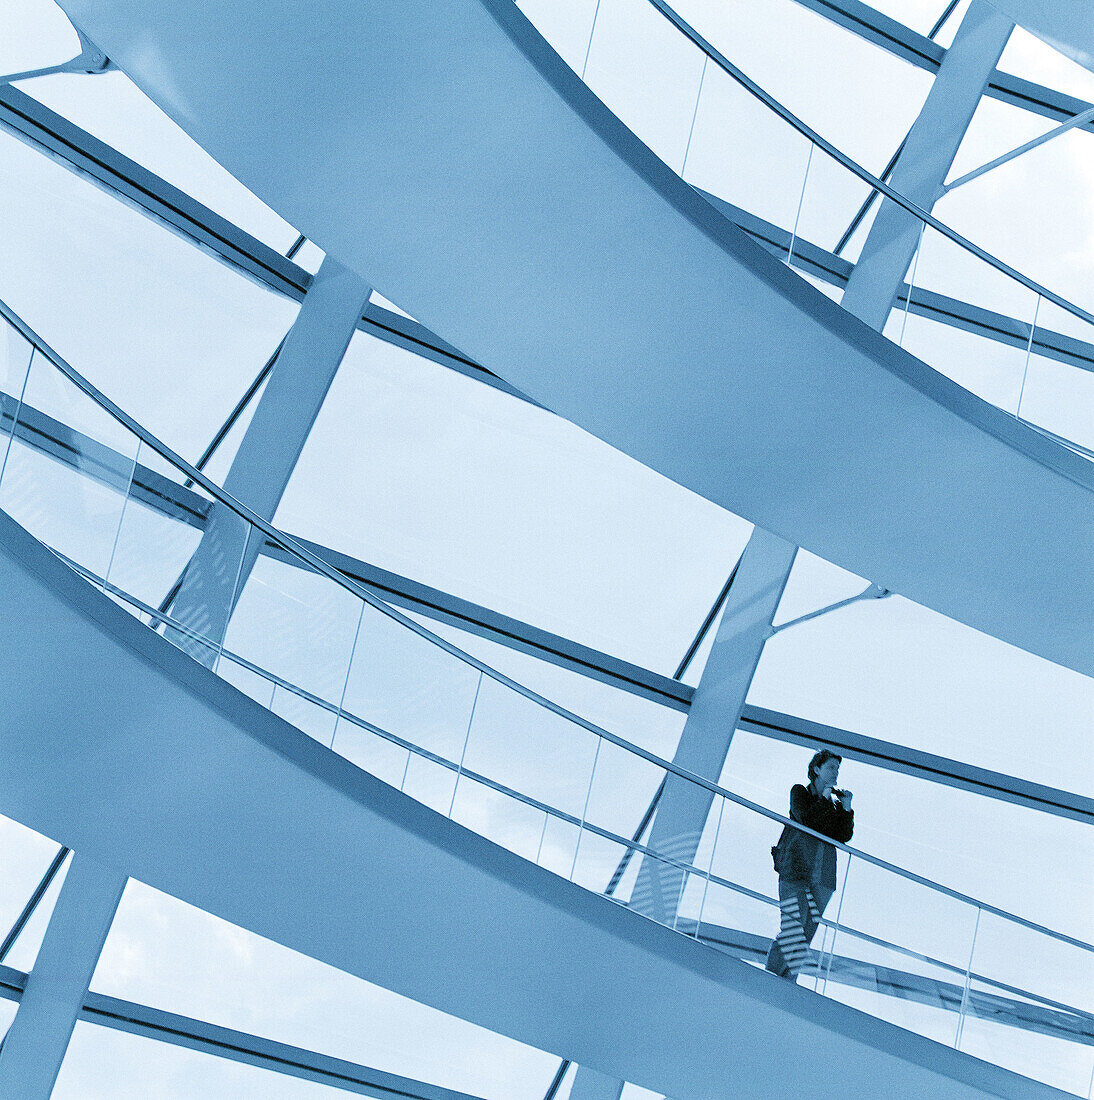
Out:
{"x": 806, "y": 865}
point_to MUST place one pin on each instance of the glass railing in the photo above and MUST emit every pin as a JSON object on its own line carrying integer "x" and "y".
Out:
{"x": 162, "y": 540}
{"x": 992, "y": 330}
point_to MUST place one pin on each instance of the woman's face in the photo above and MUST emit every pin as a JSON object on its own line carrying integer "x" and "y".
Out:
{"x": 827, "y": 774}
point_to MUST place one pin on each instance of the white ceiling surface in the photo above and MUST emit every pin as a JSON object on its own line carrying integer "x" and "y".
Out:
{"x": 664, "y": 334}
{"x": 1066, "y": 25}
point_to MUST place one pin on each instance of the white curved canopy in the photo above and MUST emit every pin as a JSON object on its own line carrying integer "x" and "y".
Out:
{"x": 446, "y": 153}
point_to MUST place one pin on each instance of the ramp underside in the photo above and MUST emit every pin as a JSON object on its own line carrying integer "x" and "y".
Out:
{"x": 1065, "y": 25}
{"x": 125, "y": 749}
{"x": 446, "y": 153}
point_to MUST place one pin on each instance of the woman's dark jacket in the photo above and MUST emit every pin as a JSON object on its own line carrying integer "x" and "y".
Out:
{"x": 805, "y": 857}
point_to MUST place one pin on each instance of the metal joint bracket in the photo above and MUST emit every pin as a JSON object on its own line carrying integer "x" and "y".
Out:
{"x": 870, "y": 592}
{"x": 1077, "y": 120}
{"x": 90, "y": 61}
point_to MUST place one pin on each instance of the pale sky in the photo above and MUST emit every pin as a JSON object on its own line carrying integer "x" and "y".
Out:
{"x": 422, "y": 471}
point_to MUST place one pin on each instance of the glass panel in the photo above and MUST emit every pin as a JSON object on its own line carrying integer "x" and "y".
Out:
{"x": 983, "y": 846}
{"x": 832, "y": 197}
{"x": 314, "y": 720}
{"x": 524, "y": 746}
{"x": 566, "y": 24}
{"x": 743, "y": 852}
{"x": 506, "y": 821}
{"x": 890, "y": 984}
{"x": 926, "y": 938}
{"x": 647, "y": 73}
{"x": 199, "y": 605}
{"x": 944, "y": 267}
{"x": 652, "y": 886}
{"x": 251, "y": 683}
{"x": 622, "y": 789}
{"x": 1031, "y": 1004}
{"x": 375, "y": 754}
{"x": 1058, "y": 392}
{"x": 430, "y": 783}
{"x": 766, "y": 183}
{"x": 558, "y": 846}
{"x": 407, "y": 686}
{"x": 908, "y": 915}
{"x": 298, "y": 625}
{"x": 159, "y": 531}
{"x": 68, "y": 469}
{"x": 15, "y": 356}
{"x": 739, "y": 922}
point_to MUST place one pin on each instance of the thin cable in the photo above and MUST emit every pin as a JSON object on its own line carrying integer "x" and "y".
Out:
{"x": 466, "y": 739}
{"x": 968, "y": 984}
{"x": 585, "y": 808}
{"x": 694, "y": 114}
{"x": 801, "y": 200}
{"x": 589, "y": 47}
{"x": 911, "y": 284}
{"x": 1029, "y": 349}
{"x": 836, "y": 926}
{"x": 18, "y": 411}
{"x": 628, "y": 854}
{"x": 121, "y": 518}
{"x": 32, "y": 903}
{"x": 349, "y": 666}
{"x": 697, "y": 641}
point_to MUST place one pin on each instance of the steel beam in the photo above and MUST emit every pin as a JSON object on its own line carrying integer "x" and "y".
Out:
{"x": 920, "y": 51}
{"x": 63, "y": 444}
{"x": 240, "y": 1046}
{"x": 921, "y": 168}
{"x": 683, "y": 807}
{"x": 35, "y": 1045}
{"x": 267, "y": 455}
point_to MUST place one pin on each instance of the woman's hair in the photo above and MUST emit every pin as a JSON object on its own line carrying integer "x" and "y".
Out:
{"x": 820, "y": 760}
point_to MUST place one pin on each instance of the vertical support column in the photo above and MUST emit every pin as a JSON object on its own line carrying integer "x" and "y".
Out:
{"x": 704, "y": 742}
{"x": 35, "y": 1044}
{"x": 712, "y": 719}
{"x": 268, "y": 454}
{"x": 928, "y": 154}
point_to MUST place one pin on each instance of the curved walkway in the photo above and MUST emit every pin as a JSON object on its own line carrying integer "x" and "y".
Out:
{"x": 466, "y": 172}
{"x": 152, "y": 779}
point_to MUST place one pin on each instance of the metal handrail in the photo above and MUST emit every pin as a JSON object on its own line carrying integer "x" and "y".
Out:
{"x": 631, "y": 845}
{"x": 318, "y": 565}
{"x": 855, "y": 168}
